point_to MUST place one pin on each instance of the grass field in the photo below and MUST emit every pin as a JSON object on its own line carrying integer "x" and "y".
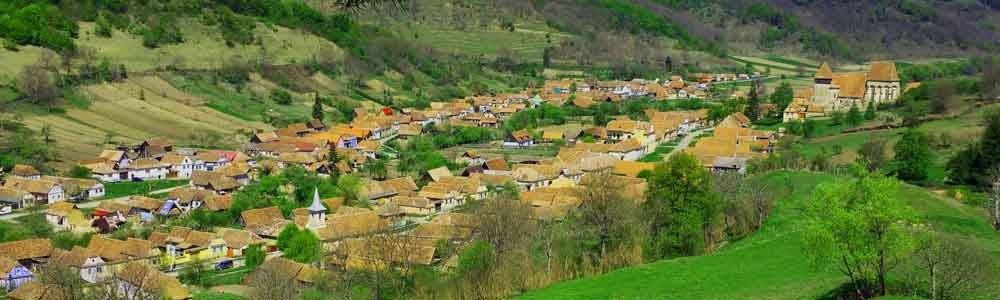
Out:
{"x": 121, "y": 189}
{"x": 214, "y": 296}
{"x": 137, "y": 109}
{"x": 767, "y": 265}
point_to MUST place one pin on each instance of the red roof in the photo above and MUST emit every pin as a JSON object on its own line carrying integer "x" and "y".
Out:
{"x": 305, "y": 147}
{"x": 387, "y": 111}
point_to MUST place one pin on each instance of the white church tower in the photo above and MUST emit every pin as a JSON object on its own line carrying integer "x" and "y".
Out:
{"x": 317, "y": 213}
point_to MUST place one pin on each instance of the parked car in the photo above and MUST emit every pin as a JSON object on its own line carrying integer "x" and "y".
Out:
{"x": 4, "y": 209}
{"x": 225, "y": 264}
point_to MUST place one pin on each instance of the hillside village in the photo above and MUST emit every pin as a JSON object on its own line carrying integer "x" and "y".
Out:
{"x": 426, "y": 213}
{"x": 258, "y": 149}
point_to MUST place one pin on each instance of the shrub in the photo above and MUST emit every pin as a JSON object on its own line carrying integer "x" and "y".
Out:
{"x": 281, "y": 97}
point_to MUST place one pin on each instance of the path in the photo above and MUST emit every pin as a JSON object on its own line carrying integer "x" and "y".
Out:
{"x": 88, "y": 204}
{"x": 686, "y": 141}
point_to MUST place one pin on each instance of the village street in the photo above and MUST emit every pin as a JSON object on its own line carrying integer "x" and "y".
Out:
{"x": 88, "y": 204}
{"x": 686, "y": 141}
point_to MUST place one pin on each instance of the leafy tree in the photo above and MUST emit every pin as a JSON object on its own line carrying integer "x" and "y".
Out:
{"x": 80, "y": 172}
{"x": 942, "y": 96}
{"x": 854, "y": 116}
{"x": 782, "y": 96}
{"x": 304, "y": 247}
{"x": 977, "y": 163}
{"x": 194, "y": 272}
{"x": 281, "y": 97}
{"x": 6, "y": 163}
{"x": 476, "y": 258}
{"x": 913, "y": 156}
{"x": 683, "y": 207}
{"x": 286, "y": 235}
{"x": 913, "y": 112}
{"x": 859, "y": 226}
{"x": 103, "y": 28}
{"x": 254, "y": 255}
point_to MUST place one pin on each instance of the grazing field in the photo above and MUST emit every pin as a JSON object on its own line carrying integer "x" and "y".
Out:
{"x": 121, "y": 189}
{"x": 767, "y": 265}
{"x": 131, "y": 111}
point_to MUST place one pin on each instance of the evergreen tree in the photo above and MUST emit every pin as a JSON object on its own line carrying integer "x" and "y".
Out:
{"x": 333, "y": 158}
{"x": 782, "y": 96}
{"x": 854, "y": 117}
{"x": 317, "y": 112}
{"x": 546, "y": 57}
{"x": 870, "y": 112}
{"x": 752, "y": 109}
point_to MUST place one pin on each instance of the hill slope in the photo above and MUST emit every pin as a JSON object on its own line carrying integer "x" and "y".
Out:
{"x": 767, "y": 265}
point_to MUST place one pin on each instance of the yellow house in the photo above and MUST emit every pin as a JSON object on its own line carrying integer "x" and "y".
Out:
{"x": 182, "y": 245}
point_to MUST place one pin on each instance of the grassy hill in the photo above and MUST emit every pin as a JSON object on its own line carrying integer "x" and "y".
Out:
{"x": 766, "y": 265}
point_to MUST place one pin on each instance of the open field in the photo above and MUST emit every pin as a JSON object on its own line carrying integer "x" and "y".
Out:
{"x": 131, "y": 111}
{"x": 767, "y": 265}
{"x": 203, "y": 48}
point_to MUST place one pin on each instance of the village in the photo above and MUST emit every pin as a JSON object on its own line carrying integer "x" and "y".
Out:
{"x": 425, "y": 208}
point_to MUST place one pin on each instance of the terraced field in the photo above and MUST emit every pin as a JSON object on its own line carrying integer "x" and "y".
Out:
{"x": 131, "y": 111}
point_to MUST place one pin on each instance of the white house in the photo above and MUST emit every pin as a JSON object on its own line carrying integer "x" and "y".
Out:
{"x": 179, "y": 166}
{"x": 146, "y": 169}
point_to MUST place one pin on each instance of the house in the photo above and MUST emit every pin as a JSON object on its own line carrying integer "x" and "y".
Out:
{"x": 282, "y": 270}
{"x": 183, "y": 245}
{"x": 26, "y": 172}
{"x": 620, "y": 130}
{"x": 266, "y": 222}
{"x": 44, "y": 191}
{"x": 472, "y": 158}
{"x": 350, "y": 222}
{"x": 66, "y": 216}
{"x": 186, "y": 199}
{"x": 530, "y": 177}
{"x": 15, "y": 198}
{"x": 87, "y": 262}
{"x": 138, "y": 280}
{"x": 13, "y": 275}
{"x": 439, "y": 173}
{"x": 632, "y": 168}
{"x": 237, "y": 241}
{"x": 154, "y": 148}
{"x": 78, "y": 189}
{"x": 496, "y": 166}
{"x": 264, "y": 137}
{"x": 179, "y": 166}
{"x": 519, "y": 139}
{"x": 146, "y": 169}
{"x": 214, "y": 181}
{"x": 29, "y": 253}
{"x": 208, "y": 161}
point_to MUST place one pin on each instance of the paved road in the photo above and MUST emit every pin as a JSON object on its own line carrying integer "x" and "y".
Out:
{"x": 686, "y": 141}
{"x": 89, "y": 204}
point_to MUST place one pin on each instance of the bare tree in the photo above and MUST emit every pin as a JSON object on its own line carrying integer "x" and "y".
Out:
{"x": 993, "y": 206}
{"x": 952, "y": 267}
{"x": 506, "y": 223}
{"x": 60, "y": 274}
{"x": 271, "y": 283}
{"x": 37, "y": 84}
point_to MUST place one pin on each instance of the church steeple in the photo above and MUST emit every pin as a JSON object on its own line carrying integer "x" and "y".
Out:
{"x": 317, "y": 212}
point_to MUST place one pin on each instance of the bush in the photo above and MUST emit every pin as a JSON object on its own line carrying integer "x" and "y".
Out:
{"x": 281, "y": 97}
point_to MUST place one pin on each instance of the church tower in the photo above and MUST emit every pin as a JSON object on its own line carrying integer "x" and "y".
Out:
{"x": 317, "y": 212}
{"x": 824, "y": 92}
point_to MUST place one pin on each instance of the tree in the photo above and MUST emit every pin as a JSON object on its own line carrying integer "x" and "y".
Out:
{"x": 305, "y": 247}
{"x": 332, "y": 159}
{"x": 913, "y": 113}
{"x": 606, "y": 221}
{"x": 254, "y": 256}
{"x": 870, "y": 113}
{"x": 103, "y": 27}
{"x": 546, "y": 57}
{"x": 286, "y": 235}
{"x": 942, "y": 96}
{"x": 317, "y": 109}
{"x": 854, "y": 117}
{"x": 35, "y": 83}
{"x": 873, "y": 152}
{"x": 683, "y": 208}
{"x": 281, "y": 97}
{"x": 752, "y": 109}
{"x": 194, "y": 273}
{"x": 991, "y": 79}
{"x": 61, "y": 274}
{"x": 913, "y": 156}
{"x": 79, "y": 171}
{"x": 952, "y": 267}
{"x": 782, "y": 96}
{"x": 861, "y": 227}
{"x": 505, "y": 223}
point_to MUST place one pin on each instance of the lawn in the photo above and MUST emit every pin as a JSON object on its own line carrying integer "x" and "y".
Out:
{"x": 227, "y": 277}
{"x": 121, "y": 189}
{"x": 214, "y": 296}
{"x": 767, "y": 265}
